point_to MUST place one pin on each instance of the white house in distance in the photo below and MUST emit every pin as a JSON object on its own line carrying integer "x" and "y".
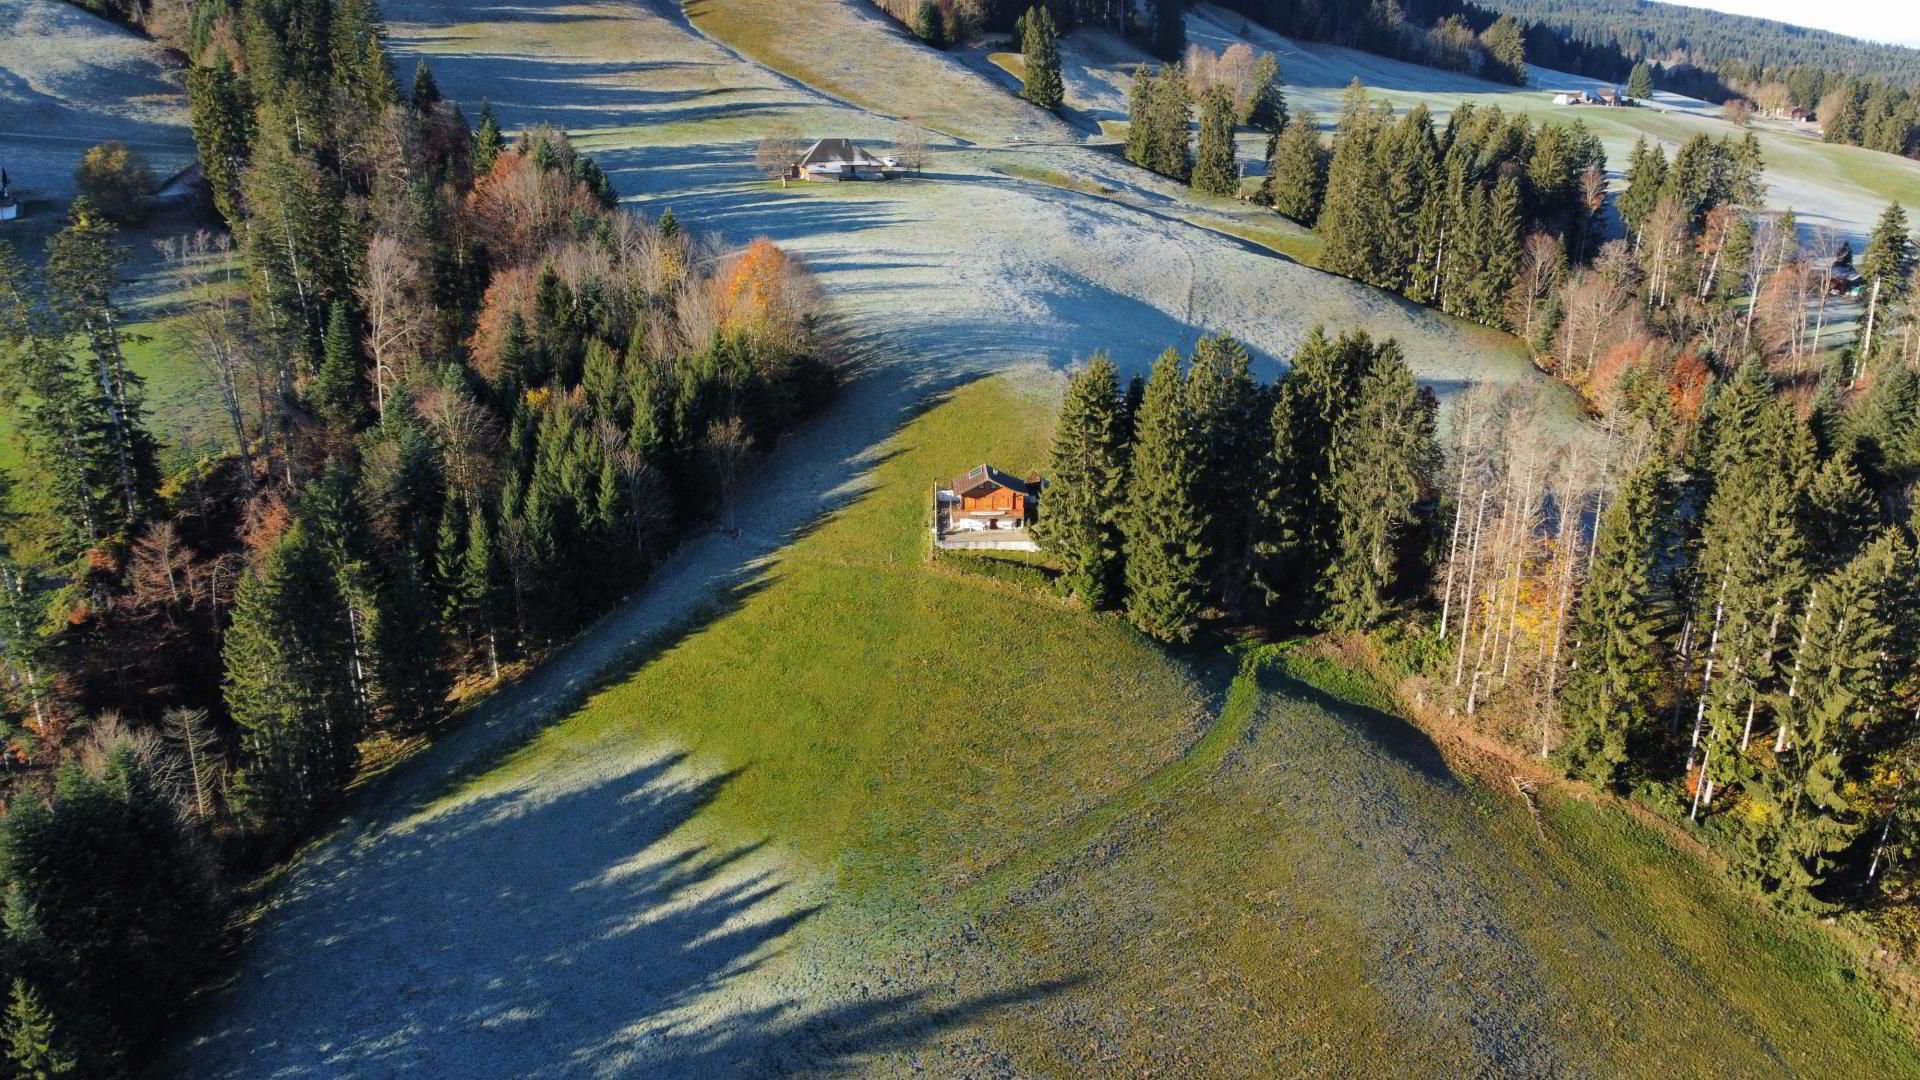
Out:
{"x": 840, "y": 159}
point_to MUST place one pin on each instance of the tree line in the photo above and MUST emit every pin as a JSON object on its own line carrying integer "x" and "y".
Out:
{"x": 1234, "y": 88}
{"x": 470, "y": 404}
{"x": 1712, "y": 611}
{"x": 1200, "y": 492}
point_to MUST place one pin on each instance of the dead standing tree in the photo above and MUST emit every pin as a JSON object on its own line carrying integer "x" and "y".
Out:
{"x": 777, "y": 154}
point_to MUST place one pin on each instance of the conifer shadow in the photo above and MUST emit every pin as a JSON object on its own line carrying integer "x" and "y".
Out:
{"x": 524, "y": 932}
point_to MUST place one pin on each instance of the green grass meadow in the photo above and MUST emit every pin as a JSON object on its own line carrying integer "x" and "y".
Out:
{"x": 1229, "y": 861}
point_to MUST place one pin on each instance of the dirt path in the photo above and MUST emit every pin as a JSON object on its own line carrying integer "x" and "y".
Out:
{"x": 576, "y": 924}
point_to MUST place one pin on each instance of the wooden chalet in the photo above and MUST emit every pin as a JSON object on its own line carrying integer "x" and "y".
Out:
{"x": 986, "y": 494}
{"x": 986, "y": 508}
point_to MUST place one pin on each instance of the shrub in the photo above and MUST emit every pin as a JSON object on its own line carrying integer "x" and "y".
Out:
{"x": 116, "y": 180}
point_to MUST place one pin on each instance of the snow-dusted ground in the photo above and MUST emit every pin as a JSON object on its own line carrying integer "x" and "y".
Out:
{"x": 68, "y": 80}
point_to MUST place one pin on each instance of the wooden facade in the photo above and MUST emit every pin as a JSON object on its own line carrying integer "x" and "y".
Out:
{"x": 987, "y": 493}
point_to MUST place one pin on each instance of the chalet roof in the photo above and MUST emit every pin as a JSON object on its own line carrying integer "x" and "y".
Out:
{"x": 831, "y": 151}
{"x": 983, "y": 478}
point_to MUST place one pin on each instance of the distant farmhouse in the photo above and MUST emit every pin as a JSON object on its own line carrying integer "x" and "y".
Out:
{"x": 986, "y": 508}
{"x": 9, "y": 202}
{"x": 1609, "y": 96}
{"x": 841, "y": 159}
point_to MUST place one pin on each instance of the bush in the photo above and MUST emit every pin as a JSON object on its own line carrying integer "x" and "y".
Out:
{"x": 116, "y": 180}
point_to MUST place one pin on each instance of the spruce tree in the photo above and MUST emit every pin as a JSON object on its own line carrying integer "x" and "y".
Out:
{"x": 1613, "y": 681}
{"x": 1842, "y": 513}
{"x": 1754, "y": 568}
{"x": 1350, "y": 217}
{"x": 220, "y": 110}
{"x": 34, "y": 1046}
{"x": 1804, "y": 811}
{"x": 426, "y": 92}
{"x": 487, "y": 141}
{"x": 1041, "y": 48}
{"x": 292, "y": 685}
{"x": 1379, "y": 463}
{"x": 84, "y": 267}
{"x": 1640, "y": 81}
{"x": 1267, "y": 105}
{"x": 1214, "y": 170}
{"x": 1230, "y": 420}
{"x": 1297, "y": 171}
{"x": 1140, "y": 117}
{"x": 1646, "y": 178}
{"x": 1294, "y": 536}
{"x": 1163, "y": 525}
{"x": 1507, "y": 49}
{"x": 1086, "y": 487}
{"x": 1170, "y": 151}
{"x": 338, "y": 390}
{"x": 1885, "y": 265}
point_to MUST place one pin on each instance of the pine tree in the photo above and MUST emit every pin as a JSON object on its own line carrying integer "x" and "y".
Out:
{"x": 1162, "y": 523}
{"x": 1297, "y": 171}
{"x": 1613, "y": 682}
{"x": 1640, "y": 81}
{"x": 1086, "y": 487}
{"x": 1379, "y": 468}
{"x": 487, "y": 141}
{"x": 34, "y": 1046}
{"x": 1214, "y": 170}
{"x": 1041, "y": 49}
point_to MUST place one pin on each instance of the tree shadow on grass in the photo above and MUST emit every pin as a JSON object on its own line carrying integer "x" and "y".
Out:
{"x": 528, "y": 932}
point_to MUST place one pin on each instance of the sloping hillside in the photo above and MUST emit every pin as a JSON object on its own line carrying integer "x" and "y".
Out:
{"x": 68, "y": 80}
{"x": 877, "y": 815}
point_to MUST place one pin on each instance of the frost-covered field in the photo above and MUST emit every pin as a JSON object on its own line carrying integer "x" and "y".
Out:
{"x": 68, "y": 80}
{"x": 937, "y": 280}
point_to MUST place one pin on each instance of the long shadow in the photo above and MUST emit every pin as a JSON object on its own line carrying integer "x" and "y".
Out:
{"x": 525, "y": 933}
{"x": 1399, "y": 738}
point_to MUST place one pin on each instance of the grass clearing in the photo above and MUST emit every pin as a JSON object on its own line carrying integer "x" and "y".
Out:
{"x": 912, "y": 728}
{"x": 1056, "y": 178}
{"x": 1268, "y": 864}
{"x": 856, "y": 53}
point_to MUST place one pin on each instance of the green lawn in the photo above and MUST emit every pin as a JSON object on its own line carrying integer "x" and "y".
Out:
{"x": 183, "y": 405}
{"x": 1249, "y": 873}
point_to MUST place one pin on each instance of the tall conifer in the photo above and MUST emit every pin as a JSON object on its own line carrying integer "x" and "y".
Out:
{"x": 1086, "y": 486}
{"x": 1164, "y": 525}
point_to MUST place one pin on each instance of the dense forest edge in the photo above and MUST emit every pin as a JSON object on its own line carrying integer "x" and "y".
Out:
{"x": 473, "y": 405}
